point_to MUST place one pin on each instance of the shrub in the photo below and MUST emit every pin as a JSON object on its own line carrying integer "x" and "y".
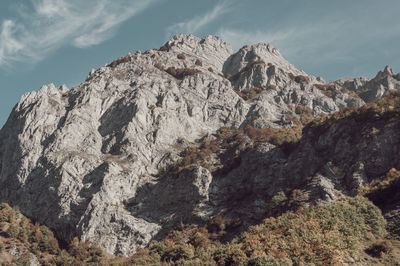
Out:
{"x": 278, "y": 199}
{"x": 86, "y": 252}
{"x": 164, "y": 48}
{"x": 159, "y": 66}
{"x": 6, "y": 213}
{"x": 305, "y": 114}
{"x": 327, "y": 89}
{"x": 299, "y": 78}
{"x": 23, "y": 261}
{"x": 217, "y": 225}
{"x": 120, "y": 60}
{"x": 179, "y": 252}
{"x": 264, "y": 260}
{"x": 13, "y": 230}
{"x": 250, "y": 93}
{"x": 181, "y": 73}
{"x": 210, "y": 69}
{"x": 181, "y": 56}
{"x": 47, "y": 242}
{"x": 198, "y": 63}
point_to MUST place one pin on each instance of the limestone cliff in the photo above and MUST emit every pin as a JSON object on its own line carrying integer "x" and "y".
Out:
{"x": 85, "y": 161}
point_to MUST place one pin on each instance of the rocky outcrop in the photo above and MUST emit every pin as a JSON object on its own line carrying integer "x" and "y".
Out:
{"x": 385, "y": 82}
{"x": 85, "y": 161}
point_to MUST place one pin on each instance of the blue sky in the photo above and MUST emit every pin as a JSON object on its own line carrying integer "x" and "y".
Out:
{"x": 60, "y": 41}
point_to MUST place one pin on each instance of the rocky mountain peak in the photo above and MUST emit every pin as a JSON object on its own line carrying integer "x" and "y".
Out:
{"x": 386, "y": 72}
{"x": 87, "y": 162}
{"x": 210, "y": 48}
{"x": 385, "y": 82}
{"x": 259, "y": 52}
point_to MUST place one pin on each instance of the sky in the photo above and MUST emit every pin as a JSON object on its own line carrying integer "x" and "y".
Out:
{"x": 60, "y": 41}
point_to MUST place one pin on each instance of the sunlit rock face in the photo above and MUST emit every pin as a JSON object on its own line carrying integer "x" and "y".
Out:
{"x": 84, "y": 161}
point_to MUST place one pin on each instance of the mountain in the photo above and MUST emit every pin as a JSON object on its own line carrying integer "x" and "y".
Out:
{"x": 189, "y": 132}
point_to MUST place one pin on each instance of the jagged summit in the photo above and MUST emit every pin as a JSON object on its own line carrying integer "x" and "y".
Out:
{"x": 257, "y": 52}
{"x": 210, "y": 48}
{"x": 387, "y": 71}
{"x": 86, "y": 161}
{"x": 385, "y": 81}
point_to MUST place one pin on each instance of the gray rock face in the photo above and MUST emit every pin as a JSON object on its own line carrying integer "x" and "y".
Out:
{"x": 84, "y": 161}
{"x": 369, "y": 90}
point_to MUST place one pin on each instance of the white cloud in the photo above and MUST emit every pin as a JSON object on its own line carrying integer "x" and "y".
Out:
{"x": 197, "y": 23}
{"x": 50, "y": 24}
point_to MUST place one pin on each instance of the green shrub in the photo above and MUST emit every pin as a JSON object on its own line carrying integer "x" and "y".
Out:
{"x": 6, "y": 213}
{"x": 13, "y": 230}
{"x": 179, "y": 252}
{"x": 23, "y": 261}
{"x": 86, "y": 252}
{"x": 264, "y": 260}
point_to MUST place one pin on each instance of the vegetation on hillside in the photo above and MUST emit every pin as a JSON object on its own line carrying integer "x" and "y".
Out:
{"x": 227, "y": 145}
{"x": 317, "y": 235}
{"x": 24, "y": 239}
{"x": 388, "y": 106}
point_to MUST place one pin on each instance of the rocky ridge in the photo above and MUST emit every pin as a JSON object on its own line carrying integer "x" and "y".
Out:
{"x": 385, "y": 82}
{"x": 86, "y": 161}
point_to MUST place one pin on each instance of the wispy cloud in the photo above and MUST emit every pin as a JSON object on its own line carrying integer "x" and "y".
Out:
{"x": 333, "y": 39}
{"x": 311, "y": 43}
{"x": 197, "y": 23}
{"x": 238, "y": 38}
{"x": 49, "y": 24}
